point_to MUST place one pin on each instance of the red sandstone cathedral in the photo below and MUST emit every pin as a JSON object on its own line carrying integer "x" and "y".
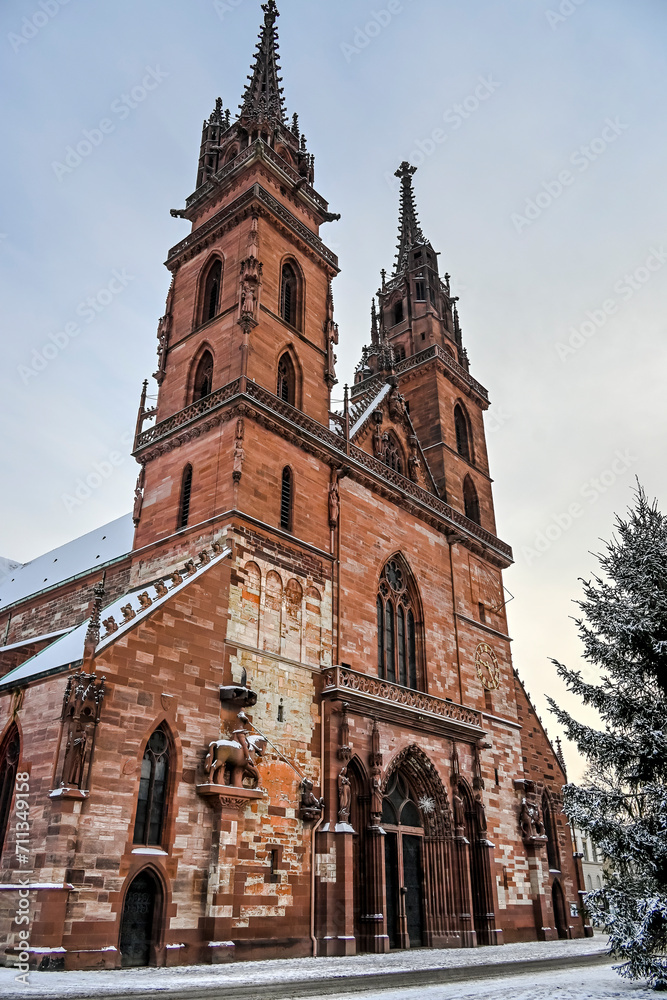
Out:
{"x": 273, "y": 712}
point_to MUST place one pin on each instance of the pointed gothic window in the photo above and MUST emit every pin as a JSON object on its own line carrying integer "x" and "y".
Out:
{"x": 471, "y": 500}
{"x": 461, "y": 426}
{"x": 211, "y": 302}
{"x": 393, "y": 454}
{"x": 286, "y": 499}
{"x": 149, "y": 822}
{"x": 420, "y": 288}
{"x": 286, "y": 389}
{"x": 9, "y": 760}
{"x": 398, "y": 626}
{"x": 289, "y": 294}
{"x": 186, "y": 493}
{"x": 398, "y": 312}
{"x": 203, "y": 380}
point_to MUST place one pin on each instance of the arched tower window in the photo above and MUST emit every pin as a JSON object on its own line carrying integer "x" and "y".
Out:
{"x": 286, "y": 499}
{"x": 151, "y": 805}
{"x": 463, "y": 436}
{"x": 9, "y": 760}
{"x": 393, "y": 454}
{"x": 399, "y": 626}
{"x": 289, "y": 295}
{"x": 203, "y": 380}
{"x": 186, "y": 494}
{"x": 398, "y": 312}
{"x": 550, "y": 831}
{"x": 286, "y": 389}
{"x": 212, "y": 289}
{"x": 471, "y": 500}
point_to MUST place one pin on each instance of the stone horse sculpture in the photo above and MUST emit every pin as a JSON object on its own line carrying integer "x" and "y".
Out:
{"x": 232, "y": 754}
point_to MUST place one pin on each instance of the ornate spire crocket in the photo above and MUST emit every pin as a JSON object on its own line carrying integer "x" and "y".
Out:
{"x": 263, "y": 97}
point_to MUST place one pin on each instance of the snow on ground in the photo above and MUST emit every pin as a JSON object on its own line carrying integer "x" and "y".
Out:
{"x": 129, "y": 982}
{"x": 588, "y": 983}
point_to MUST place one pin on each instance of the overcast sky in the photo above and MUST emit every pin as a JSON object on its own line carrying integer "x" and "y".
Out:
{"x": 539, "y": 130}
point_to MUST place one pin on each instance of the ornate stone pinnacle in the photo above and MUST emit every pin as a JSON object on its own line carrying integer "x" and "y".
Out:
{"x": 410, "y": 232}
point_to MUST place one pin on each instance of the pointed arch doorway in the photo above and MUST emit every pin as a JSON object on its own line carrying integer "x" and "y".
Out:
{"x": 139, "y": 929}
{"x": 404, "y": 864}
{"x": 560, "y": 913}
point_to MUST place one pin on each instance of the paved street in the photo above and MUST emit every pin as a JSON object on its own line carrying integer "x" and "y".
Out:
{"x": 558, "y": 970}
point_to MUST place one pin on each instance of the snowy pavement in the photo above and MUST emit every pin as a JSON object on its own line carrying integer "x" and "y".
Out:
{"x": 225, "y": 978}
{"x": 599, "y": 983}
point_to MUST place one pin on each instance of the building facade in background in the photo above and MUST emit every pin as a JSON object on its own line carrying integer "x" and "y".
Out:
{"x": 274, "y": 712}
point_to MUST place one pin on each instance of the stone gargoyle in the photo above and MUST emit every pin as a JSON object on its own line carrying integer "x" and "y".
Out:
{"x": 231, "y": 753}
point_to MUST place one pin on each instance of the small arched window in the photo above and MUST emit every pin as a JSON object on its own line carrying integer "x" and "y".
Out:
{"x": 286, "y": 389}
{"x": 393, "y": 454}
{"x": 212, "y": 287}
{"x": 286, "y": 499}
{"x": 9, "y": 760}
{"x": 399, "y": 628}
{"x": 151, "y": 805}
{"x": 289, "y": 295}
{"x": 462, "y": 433}
{"x": 398, "y": 312}
{"x": 471, "y": 501}
{"x": 186, "y": 495}
{"x": 203, "y": 380}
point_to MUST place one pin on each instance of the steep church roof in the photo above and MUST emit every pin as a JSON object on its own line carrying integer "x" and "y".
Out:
{"x": 94, "y": 550}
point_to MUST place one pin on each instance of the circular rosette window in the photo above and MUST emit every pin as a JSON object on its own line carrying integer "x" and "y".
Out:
{"x": 487, "y": 666}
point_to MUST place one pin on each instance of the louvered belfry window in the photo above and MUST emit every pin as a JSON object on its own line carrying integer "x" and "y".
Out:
{"x": 289, "y": 295}
{"x": 186, "y": 494}
{"x": 397, "y": 623}
{"x": 212, "y": 292}
{"x": 286, "y": 500}
{"x": 286, "y": 388}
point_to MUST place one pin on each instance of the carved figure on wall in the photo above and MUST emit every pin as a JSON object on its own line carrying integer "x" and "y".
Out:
{"x": 413, "y": 461}
{"x": 239, "y": 754}
{"x": 176, "y": 579}
{"x": 82, "y": 703}
{"x": 334, "y": 500}
{"x": 344, "y": 796}
{"x": 480, "y": 813}
{"x": 139, "y": 496}
{"x": 248, "y": 298}
{"x": 459, "y": 814}
{"x": 160, "y": 589}
{"x": 163, "y": 334}
{"x": 128, "y": 612}
{"x": 310, "y": 807}
{"x": 190, "y": 567}
{"x": 376, "y": 797}
{"x": 344, "y": 751}
{"x": 239, "y": 452}
{"x": 144, "y": 601}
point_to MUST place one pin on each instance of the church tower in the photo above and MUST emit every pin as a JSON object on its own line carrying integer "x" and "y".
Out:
{"x": 416, "y": 335}
{"x": 250, "y": 310}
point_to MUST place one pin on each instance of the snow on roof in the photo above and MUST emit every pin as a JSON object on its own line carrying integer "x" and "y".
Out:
{"x": 97, "y": 548}
{"x": 68, "y": 651}
{"x": 372, "y": 405}
{"x": 7, "y": 566}
{"x": 35, "y": 638}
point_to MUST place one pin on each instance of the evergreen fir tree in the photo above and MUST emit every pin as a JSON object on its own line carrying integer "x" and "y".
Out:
{"x": 622, "y": 801}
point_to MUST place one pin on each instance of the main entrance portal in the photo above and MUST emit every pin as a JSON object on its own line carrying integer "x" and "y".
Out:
{"x": 404, "y": 871}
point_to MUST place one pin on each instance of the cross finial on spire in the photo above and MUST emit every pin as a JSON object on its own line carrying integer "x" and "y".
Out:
{"x": 410, "y": 232}
{"x": 263, "y": 96}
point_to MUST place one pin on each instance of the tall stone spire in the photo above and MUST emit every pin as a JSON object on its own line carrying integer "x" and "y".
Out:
{"x": 263, "y": 97}
{"x": 410, "y": 232}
